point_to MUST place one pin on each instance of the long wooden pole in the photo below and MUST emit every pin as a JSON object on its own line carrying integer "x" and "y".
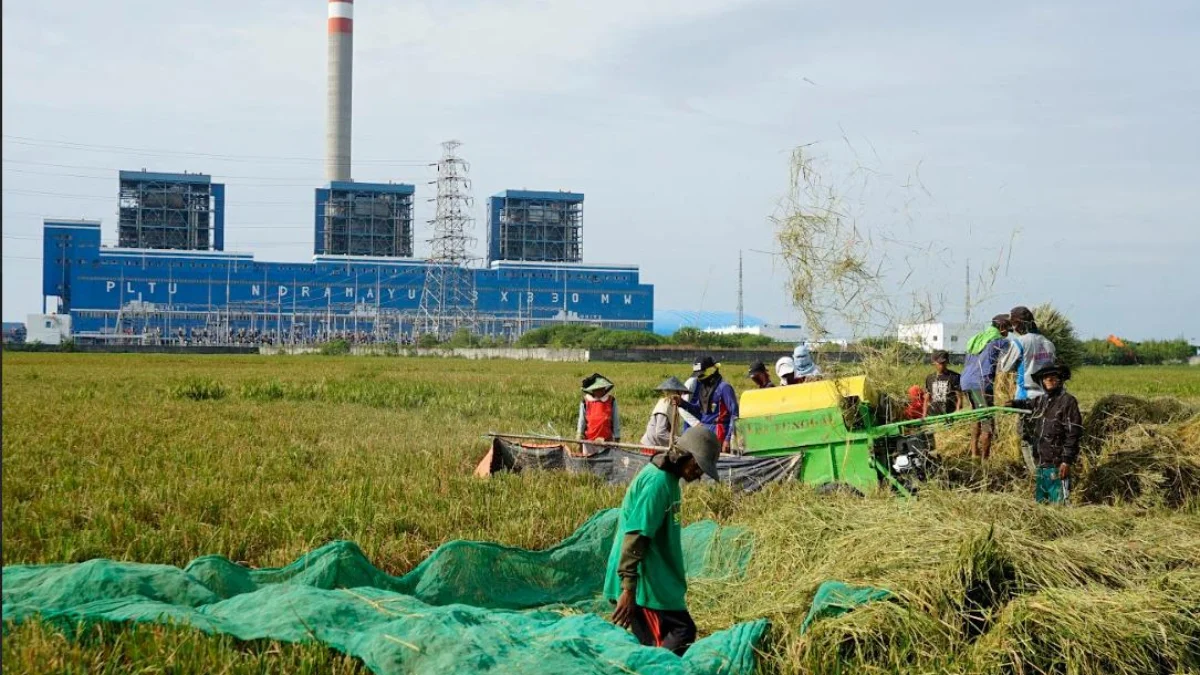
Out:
{"x": 672, "y": 425}
{"x": 528, "y": 437}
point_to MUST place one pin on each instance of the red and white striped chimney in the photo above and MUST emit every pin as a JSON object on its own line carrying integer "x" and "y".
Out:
{"x": 341, "y": 72}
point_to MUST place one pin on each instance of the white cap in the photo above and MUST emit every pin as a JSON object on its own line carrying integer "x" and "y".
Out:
{"x": 785, "y": 366}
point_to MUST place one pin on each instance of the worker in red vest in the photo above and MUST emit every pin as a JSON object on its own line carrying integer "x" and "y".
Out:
{"x": 599, "y": 420}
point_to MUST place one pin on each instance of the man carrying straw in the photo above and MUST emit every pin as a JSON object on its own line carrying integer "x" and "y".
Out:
{"x": 979, "y": 379}
{"x": 1027, "y": 353}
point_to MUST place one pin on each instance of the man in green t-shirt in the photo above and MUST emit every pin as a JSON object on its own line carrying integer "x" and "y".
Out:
{"x": 646, "y": 578}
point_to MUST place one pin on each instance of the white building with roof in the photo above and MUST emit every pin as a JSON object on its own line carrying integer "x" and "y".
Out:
{"x": 933, "y": 336}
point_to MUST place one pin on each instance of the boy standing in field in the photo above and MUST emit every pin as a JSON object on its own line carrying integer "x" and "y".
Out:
{"x": 1057, "y": 428}
{"x": 943, "y": 387}
{"x": 599, "y": 419}
{"x": 645, "y": 577}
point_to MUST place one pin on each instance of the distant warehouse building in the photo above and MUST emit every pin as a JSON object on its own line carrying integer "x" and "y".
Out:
{"x": 792, "y": 333}
{"x": 171, "y": 278}
{"x": 933, "y": 336}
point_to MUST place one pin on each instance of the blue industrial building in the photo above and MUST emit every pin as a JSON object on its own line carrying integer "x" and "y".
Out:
{"x": 184, "y": 211}
{"x": 535, "y": 225}
{"x": 170, "y": 278}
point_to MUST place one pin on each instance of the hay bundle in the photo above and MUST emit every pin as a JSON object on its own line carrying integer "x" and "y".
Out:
{"x": 1115, "y": 413}
{"x": 1057, "y": 328}
{"x": 1147, "y": 466}
{"x": 881, "y": 637}
{"x": 1095, "y": 630}
{"x": 969, "y": 473}
{"x": 977, "y": 579}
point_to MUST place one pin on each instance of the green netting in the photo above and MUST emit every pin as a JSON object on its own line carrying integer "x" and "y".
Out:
{"x": 835, "y": 598}
{"x": 470, "y": 606}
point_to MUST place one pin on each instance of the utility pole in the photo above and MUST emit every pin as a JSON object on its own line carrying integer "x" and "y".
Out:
{"x": 741, "y": 298}
{"x": 228, "y": 309}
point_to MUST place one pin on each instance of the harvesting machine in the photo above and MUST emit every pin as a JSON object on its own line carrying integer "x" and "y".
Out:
{"x": 845, "y": 433}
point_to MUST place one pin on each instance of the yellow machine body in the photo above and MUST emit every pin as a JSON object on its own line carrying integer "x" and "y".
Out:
{"x": 804, "y": 397}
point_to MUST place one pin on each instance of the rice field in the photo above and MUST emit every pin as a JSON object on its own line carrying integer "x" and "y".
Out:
{"x": 160, "y": 458}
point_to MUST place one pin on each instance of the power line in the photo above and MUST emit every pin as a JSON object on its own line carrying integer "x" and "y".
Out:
{"x": 91, "y": 147}
{"x": 92, "y": 167}
{"x": 228, "y": 226}
{"x": 63, "y": 195}
{"x": 251, "y": 186}
{"x": 314, "y": 180}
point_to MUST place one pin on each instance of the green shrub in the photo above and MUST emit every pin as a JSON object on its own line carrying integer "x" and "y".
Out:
{"x": 337, "y": 347}
{"x": 272, "y": 390}
{"x": 198, "y": 389}
{"x": 462, "y": 339}
{"x": 588, "y": 337}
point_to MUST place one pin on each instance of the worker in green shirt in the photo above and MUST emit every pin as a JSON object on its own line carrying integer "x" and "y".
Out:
{"x": 646, "y": 578}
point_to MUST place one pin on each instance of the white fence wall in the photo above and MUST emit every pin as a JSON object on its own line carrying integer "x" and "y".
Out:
{"x": 533, "y": 354}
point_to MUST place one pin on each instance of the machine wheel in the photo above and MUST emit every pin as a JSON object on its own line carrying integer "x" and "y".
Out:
{"x": 839, "y": 488}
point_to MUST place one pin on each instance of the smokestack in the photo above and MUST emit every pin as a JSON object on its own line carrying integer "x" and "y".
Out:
{"x": 341, "y": 63}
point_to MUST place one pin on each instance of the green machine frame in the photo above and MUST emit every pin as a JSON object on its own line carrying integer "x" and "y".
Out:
{"x": 843, "y": 444}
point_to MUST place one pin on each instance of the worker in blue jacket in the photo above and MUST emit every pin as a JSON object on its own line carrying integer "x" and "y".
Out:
{"x": 984, "y": 350}
{"x": 713, "y": 401}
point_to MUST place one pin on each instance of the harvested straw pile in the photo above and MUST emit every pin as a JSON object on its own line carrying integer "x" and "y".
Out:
{"x": 1147, "y": 630}
{"x": 980, "y": 582}
{"x": 999, "y": 474}
{"x": 1115, "y": 413}
{"x": 1140, "y": 452}
{"x": 1147, "y": 466}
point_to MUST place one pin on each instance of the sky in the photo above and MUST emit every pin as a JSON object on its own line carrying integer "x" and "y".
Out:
{"x": 1053, "y": 144}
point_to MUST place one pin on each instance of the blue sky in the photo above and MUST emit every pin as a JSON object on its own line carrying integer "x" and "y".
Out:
{"x": 1061, "y": 138}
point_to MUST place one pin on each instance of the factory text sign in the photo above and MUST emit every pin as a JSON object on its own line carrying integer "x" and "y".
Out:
{"x": 369, "y": 293}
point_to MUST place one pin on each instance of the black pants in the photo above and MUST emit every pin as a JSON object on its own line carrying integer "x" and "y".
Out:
{"x": 673, "y": 630}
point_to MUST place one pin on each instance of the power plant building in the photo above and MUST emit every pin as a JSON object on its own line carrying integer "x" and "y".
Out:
{"x": 159, "y": 292}
{"x": 370, "y": 219}
{"x": 536, "y": 226}
{"x": 170, "y": 278}
{"x": 169, "y": 210}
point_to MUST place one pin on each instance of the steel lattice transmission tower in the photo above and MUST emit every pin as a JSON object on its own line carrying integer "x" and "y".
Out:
{"x": 448, "y": 299}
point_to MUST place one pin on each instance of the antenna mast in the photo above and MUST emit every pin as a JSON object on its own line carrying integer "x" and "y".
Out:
{"x": 741, "y": 296}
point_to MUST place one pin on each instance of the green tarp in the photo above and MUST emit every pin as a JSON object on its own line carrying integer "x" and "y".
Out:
{"x": 834, "y": 598}
{"x": 469, "y": 607}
